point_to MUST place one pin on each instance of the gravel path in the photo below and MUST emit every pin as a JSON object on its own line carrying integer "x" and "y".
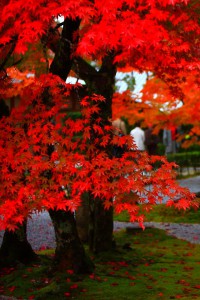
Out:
{"x": 41, "y": 235}
{"x": 193, "y": 183}
{"x": 188, "y": 232}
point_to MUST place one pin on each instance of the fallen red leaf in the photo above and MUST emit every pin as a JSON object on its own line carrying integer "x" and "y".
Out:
{"x": 67, "y": 294}
{"x": 178, "y": 296}
{"x": 12, "y": 288}
{"x": 160, "y": 294}
{"x": 188, "y": 268}
{"x": 74, "y": 286}
{"x": 114, "y": 284}
{"x": 92, "y": 276}
{"x": 132, "y": 283}
{"x": 149, "y": 287}
{"x": 197, "y": 286}
{"x": 70, "y": 272}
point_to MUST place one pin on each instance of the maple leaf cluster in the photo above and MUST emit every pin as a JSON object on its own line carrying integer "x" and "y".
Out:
{"x": 163, "y": 108}
{"x": 48, "y": 160}
{"x": 132, "y": 29}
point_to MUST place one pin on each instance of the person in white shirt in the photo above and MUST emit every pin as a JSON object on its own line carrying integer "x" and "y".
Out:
{"x": 138, "y": 136}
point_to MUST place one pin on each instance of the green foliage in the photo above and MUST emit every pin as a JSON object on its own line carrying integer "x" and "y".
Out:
{"x": 185, "y": 159}
{"x": 130, "y": 81}
{"x": 193, "y": 148}
{"x": 145, "y": 265}
{"x": 122, "y": 217}
{"x": 160, "y": 149}
{"x": 127, "y": 79}
{"x": 161, "y": 213}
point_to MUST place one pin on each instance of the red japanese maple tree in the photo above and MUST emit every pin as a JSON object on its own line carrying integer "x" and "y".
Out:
{"x": 33, "y": 180}
{"x": 49, "y": 160}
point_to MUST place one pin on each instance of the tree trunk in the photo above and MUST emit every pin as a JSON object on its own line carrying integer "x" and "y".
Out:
{"x": 15, "y": 248}
{"x": 100, "y": 227}
{"x": 70, "y": 253}
{"x": 62, "y": 62}
{"x": 82, "y": 219}
{"x": 100, "y": 82}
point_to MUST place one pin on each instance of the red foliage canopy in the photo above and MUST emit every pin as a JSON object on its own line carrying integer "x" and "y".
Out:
{"x": 32, "y": 179}
{"x": 155, "y": 35}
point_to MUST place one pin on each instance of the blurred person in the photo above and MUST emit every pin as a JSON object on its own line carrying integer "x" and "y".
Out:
{"x": 138, "y": 136}
{"x": 169, "y": 139}
{"x": 151, "y": 140}
{"x": 119, "y": 126}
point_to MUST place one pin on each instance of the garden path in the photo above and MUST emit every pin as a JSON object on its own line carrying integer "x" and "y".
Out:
{"x": 188, "y": 232}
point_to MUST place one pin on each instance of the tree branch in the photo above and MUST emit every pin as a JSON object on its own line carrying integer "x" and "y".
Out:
{"x": 84, "y": 70}
{"x": 108, "y": 62}
{"x": 12, "y": 48}
{"x": 63, "y": 58}
{"x": 58, "y": 26}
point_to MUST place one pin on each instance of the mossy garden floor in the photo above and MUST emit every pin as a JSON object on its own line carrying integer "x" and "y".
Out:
{"x": 146, "y": 265}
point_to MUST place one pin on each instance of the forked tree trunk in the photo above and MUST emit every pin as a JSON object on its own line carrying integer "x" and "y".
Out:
{"x": 15, "y": 248}
{"x": 70, "y": 253}
{"x": 101, "y": 83}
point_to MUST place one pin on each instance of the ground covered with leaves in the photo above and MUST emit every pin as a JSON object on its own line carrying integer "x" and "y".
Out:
{"x": 144, "y": 265}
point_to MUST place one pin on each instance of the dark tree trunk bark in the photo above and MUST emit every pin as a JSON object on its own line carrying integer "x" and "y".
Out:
{"x": 82, "y": 219}
{"x": 15, "y": 248}
{"x": 70, "y": 253}
{"x": 62, "y": 62}
{"x": 100, "y": 82}
{"x": 100, "y": 227}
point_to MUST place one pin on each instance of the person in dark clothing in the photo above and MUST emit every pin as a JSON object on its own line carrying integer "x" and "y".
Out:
{"x": 119, "y": 128}
{"x": 151, "y": 141}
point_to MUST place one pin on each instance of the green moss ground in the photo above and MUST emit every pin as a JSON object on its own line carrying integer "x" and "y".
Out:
{"x": 161, "y": 213}
{"x": 145, "y": 265}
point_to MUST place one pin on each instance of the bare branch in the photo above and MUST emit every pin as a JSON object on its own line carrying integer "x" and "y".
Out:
{"x": 12, "y": 48}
